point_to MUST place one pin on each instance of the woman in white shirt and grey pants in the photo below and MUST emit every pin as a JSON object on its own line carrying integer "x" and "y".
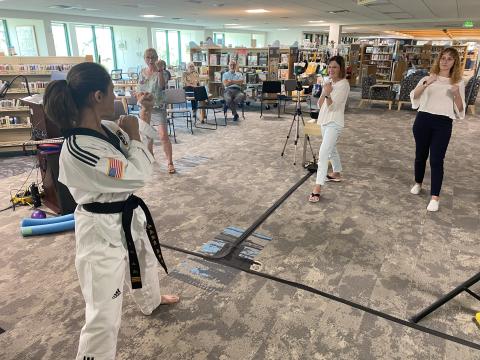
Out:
{"x": 331, "y": 118}
{"x": 439, "y": 98}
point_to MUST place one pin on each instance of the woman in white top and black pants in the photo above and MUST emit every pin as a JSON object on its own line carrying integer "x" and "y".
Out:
{"x": 439, "y": 98}
{"x": 331, "y": 118}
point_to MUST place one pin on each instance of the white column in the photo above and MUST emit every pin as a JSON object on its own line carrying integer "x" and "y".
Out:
{"x": 150, "y": 41}
{"x": 334, "y": 35}
{"x": 49, "y": 38}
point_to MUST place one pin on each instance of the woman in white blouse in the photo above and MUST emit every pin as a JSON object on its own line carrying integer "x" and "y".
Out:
{"x": 439, "y": 98}
{"x": 331, "y": 118}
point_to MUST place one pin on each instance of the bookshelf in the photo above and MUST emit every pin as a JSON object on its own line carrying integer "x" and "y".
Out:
{"x": 257, "y": 65}
{"x": 15, "y": 125}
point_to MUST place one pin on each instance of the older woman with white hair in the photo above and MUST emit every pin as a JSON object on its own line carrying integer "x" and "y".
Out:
{"x": 191, "y": 78}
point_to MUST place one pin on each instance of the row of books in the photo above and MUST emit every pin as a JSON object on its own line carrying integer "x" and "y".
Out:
{"x": 258, "y": 59}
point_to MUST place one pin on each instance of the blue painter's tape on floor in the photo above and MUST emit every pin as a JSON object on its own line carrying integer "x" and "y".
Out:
{"x": 234, "y": 231}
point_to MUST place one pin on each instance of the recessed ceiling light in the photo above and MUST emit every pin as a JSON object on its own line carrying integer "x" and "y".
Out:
{"x": 257, "y": 11}
{"x": 151, "y": 16}
{"x": 316, "y": 21}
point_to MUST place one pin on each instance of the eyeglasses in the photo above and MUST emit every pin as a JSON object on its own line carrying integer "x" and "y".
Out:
{"x": 151, "y": 57}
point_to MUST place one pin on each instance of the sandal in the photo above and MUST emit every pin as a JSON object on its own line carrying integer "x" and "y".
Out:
{"x": 171, "y": 169}
{"x": 314, "y": 197}
{"x": 334, "y": 179}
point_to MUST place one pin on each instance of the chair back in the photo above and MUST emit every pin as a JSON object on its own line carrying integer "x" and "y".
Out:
{"x": 290, "y": 85}
{"x": 200, "y": 93}
{"x": 272, "y": 87}
{"x": 475, "y": 82}
{"x": 409, "y": 83}
{"x": 188, "y": 90}
{"x": 367, "y": 81}
{"x": 171, "y": 84}
{"x": 175, "y": 96}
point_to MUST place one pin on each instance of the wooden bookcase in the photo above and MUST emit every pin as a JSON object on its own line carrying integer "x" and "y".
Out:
{"x": 15, "y": 126}
{"x": 257, "y": 64}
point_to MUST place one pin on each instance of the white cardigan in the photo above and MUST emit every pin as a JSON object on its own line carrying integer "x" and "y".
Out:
{"x": 335, "y": 112}
{"x": 437, "y": 98}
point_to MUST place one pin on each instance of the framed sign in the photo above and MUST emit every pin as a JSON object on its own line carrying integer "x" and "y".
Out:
{"x": 27, "y": 41}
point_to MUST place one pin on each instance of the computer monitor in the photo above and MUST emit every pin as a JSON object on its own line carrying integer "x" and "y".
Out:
{"x": 58, "y": 75}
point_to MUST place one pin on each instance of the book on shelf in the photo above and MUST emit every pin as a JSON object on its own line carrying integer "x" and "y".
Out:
{"x": 262, "y": 59}
{"x": 214, "y": 59}
{"x": 217, "y": 76}
{"x": 203, "y": 70}
{"x": 252, "y": 60}
{"x": 224, "y": 58}
{"x": 284, "y": 58}
{"x": 283, "y": 74}
{"x": 242, "y": 59}
{"x": 262, "y": 76}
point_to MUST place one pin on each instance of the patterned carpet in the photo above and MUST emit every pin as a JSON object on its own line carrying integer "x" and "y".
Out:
{"x": 368, "y": 241}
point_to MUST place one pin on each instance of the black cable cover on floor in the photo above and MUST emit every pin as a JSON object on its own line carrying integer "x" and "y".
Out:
{"x": 331, "y": 297}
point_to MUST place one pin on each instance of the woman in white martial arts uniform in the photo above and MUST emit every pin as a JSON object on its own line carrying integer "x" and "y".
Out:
{"x": 102, "y": 164}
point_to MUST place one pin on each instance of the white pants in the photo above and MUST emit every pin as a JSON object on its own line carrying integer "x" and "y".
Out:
{"x": 328, "y": 151}
{"x": 102, "y": 267}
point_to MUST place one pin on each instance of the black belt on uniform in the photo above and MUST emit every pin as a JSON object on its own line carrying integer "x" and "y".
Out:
{"x": 126, "y": 208}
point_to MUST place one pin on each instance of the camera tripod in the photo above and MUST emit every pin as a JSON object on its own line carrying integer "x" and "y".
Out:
{"x": 297, "y": 117}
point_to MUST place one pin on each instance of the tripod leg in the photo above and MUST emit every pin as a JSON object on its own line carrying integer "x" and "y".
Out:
{"x": 446, "y": 298}
{"x": 297, "y": 136}
{"x": 288, "y": 136}
{"x": 309, "y": 143}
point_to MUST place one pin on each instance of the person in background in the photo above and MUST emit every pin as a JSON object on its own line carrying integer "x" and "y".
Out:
{"x": 152, "y": 82}
{"x": 233, "y": 81}
{"x": 439, "y": 98}
{"x": 102, "y": 164}
{"x": 191, "y": 79}
{"x": 331, "y": 119}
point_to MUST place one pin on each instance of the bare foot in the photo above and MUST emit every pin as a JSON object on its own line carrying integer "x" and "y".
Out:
{"x": 169, "y": 299}
{"x": 171, "y": 169}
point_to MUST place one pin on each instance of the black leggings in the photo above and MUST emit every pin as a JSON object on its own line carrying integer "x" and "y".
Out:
{"x": 432, "y": 133}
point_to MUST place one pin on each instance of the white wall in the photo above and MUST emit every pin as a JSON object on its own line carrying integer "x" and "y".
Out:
{"x": 39, "y": 34}
{"x": 130, "y": 43}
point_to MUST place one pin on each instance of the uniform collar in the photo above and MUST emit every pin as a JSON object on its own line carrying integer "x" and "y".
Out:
{"x": 111, "y": 139}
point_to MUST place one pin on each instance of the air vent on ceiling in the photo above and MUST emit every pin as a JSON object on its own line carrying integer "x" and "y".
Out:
{"x": 75, "y": 8}
{"x": 339, "y": 11}
{"x": 195, "y": 1}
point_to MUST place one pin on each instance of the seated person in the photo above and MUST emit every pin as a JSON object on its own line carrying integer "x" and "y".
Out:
{"x": 233, "y": 95}
{"x": 191, "y": 78}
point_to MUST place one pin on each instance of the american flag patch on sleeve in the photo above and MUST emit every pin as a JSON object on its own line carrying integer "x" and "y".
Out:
{"x": 115, "y": 168}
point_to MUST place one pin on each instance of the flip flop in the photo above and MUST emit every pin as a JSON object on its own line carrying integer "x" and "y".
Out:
{"x": 171, "y": 169}
{"x": 314, "y": 197}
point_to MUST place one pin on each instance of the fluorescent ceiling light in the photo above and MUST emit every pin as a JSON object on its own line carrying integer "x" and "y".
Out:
{"x": 282, "y": 29}
{"x": 257, "y": 11}
{"x": 316, "y": 21}
{"x": 151, "y": 16}
{"x": 230, "y": 24}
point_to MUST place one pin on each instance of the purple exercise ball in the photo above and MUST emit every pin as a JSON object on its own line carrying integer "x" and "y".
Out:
{"x": 38, "y": 214}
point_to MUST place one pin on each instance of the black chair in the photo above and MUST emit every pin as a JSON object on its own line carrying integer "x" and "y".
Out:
{"x": 269, "y": 95}
{"x": 289, "y": 86}
{"x": 203, "y": 102}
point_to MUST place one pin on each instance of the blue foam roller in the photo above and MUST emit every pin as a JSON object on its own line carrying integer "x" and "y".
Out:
{"x": 48, "y": 228}
{"x": 51, "y": 220}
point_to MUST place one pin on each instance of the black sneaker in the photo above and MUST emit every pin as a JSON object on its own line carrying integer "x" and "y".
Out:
{"x": 235, "y": 117}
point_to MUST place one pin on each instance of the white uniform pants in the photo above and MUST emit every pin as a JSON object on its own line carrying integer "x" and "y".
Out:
{"x": 328, "y": 151}
{"x": 102, "y": 267}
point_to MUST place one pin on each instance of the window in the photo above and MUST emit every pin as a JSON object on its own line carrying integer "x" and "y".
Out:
{"x": 4, "y": 40}
{"x": 85, "y": 41}
{"x": 161, "y": 42}
{"x": 105, "y": 53}
{"x": 186, "y": 36}
{"x": 260, "y": 39}
{"x": 174, "y": 47}
{"x": 238, "y": 39}
{"x": 219, "y": 38}
{"x": 168, "y": 44}
{"x": 60, "y": 39}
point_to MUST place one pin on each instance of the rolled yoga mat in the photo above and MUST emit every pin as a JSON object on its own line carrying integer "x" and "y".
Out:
{"x": 48, "y": 228}
{"x": 50, "y": 220}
